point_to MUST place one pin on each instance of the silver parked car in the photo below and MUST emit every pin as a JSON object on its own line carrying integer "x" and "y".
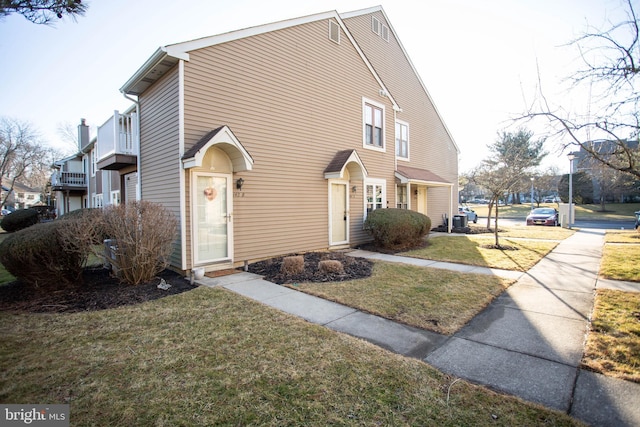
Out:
{"x": 470, "y": 213}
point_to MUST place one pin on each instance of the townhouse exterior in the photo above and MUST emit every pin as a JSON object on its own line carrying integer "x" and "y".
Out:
{"x": 20, "y": 196}
{"x": 282, "y": 138}
{"x": 103, "y": 171}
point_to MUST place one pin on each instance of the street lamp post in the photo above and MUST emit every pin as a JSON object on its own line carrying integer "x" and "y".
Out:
{"x": 571, "y": 157}
{"x": 532, "y": 193}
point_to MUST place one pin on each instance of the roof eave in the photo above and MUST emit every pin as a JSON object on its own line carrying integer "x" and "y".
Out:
{"x": 163, "y": 57}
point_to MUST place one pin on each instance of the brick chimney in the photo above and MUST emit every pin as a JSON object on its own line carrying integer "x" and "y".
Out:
{"x": 83, "y": 135}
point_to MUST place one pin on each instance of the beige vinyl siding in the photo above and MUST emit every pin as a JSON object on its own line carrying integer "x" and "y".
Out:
{"x": 431, "y": 146}
{"x": 293, "y": 98}
{"x": 159, "y": 147}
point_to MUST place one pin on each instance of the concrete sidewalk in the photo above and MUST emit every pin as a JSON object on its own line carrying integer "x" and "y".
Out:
{"x": 527, "y": 343}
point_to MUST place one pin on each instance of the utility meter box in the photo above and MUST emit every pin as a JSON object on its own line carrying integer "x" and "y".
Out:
{"x": 563, "y": 213}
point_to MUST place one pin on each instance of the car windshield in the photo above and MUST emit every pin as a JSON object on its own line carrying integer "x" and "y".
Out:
{"x": 543, "y": 211}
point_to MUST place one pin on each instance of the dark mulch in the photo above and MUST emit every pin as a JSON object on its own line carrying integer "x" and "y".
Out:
{"x": 464, "y": 230}
{"x": 354, "y": 268}
{"x": 98, "y": 291}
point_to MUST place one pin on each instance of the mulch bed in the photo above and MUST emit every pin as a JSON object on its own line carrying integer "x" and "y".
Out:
{"x": 99, "y": 291}
{"x": 354, "y": 268}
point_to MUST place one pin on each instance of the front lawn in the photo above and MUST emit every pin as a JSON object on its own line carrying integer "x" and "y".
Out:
{"x": 620, "y": 261}
{"x": 613, "y": 211}
{"x": 613, "y": 344}
{"x": 210, "y": 357}
{"x": 468, "y": 249}
{"x": 437, "y": 300}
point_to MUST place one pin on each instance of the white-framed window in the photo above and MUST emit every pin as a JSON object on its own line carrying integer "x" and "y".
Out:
{"x": 373, "y": 125}
{"x": 94, "y": 161}
{"x": 96, "y": 200}
{"x": 374, "y": 195}
{"x": 402, "y": 140}
{"x": 401, "y": 197}
{"x": 379, "y": 28}
{"x": 334, "y": 31}
{"x": 375, "y": 25}
{"x": 115, "y": 198}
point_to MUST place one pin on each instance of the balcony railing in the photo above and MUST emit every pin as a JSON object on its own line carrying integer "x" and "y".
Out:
{"x": 118, "y": 135}
{"x": 68, "y": 179}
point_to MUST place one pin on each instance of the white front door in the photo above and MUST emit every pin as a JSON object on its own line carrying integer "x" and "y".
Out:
{"x": 339, "y": 212}
{"x": 212, "y": 227}
{"x": 422, "y": 200}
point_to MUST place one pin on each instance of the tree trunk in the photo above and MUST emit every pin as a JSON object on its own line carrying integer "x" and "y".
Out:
{"x": 489, "y": 214}
{"x": 495, "y": 230}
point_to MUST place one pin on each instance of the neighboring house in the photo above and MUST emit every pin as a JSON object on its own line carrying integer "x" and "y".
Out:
{"x": 21, "y": 196}
{"x": 282, "y": 138}
{"x": 91, "y": 178}
{"x": 612, "y": 185}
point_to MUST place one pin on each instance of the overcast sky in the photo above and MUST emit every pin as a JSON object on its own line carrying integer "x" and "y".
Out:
{"x": 478, "y": 58}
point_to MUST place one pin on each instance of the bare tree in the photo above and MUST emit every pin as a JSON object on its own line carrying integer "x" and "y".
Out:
{"x": 22, "y": 155}
{"x": 611, "y": 60}
{"x": 69, "y": 135}
{"x": 43, "y": 11}
{"x": 498, "y": 180}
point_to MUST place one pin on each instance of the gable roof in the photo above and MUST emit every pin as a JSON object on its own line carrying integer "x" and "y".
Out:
{"x": 166, "y": 57}
{"x": 336, "y": 167}
{"x": 224, "y": 139}
{"x": 370, "y": 10}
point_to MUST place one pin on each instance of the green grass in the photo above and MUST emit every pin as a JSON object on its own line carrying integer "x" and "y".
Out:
{"x": 622, "y": 236}
{"x": 5, "y": 276}
{"x": 522, "y": 231}
{"x": 210, "y": 357}
{"x": 614, "y": 211}
{"x": 468, "y": 249}
{"x": 437, "y": 300}
{"x": 613, "y": 344}
{"x": 620, "y": 261}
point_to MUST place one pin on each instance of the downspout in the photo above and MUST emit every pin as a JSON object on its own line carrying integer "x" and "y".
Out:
{"x": 138, "y": 175}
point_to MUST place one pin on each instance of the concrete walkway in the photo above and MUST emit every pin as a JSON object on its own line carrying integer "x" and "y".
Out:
{"x": 527, "y": 343}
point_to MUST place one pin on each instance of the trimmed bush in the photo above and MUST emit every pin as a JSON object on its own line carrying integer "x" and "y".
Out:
{"x": 397, "y": 228}
{"x": 19, "y": 220}
{"x": 329, "y": 266}
{"x": 292, "y": 265}
{"x": 36, "y": 256}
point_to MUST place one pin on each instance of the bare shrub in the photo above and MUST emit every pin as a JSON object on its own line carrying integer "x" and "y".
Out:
{"x": 81, "y": 232}
{"x": 292, "y": 265}
{"x": 144, "y": 233}
{"x": 330, "y": 266}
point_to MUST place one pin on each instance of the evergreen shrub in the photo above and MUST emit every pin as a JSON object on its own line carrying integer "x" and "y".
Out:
{"x": 396, "y": 229}
{"x": 19, "y": 220}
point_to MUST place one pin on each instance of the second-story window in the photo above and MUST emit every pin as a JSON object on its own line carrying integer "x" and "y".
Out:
{"x": 373, "y": 126}
{"x": 94, "y": 161}
{"x": 402, "y": 140}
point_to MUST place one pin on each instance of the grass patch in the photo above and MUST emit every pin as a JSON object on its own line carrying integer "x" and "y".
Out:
{"x": 622, "y": 236}
{"x": 210, "y": 357}
{"x": 613, "y": 345}
{"x": 620, "y": 262}
{"x": 5, "y": 276}
{"x": 437, "y": 300}
{"x": 535, "y": 232}
{"x": 468, "y": 250}
{"x": 614, "y": 211}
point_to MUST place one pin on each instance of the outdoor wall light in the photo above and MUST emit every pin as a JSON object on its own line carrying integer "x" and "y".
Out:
{"x": 239, "y": 183}
{"x": 354, "y": 189}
